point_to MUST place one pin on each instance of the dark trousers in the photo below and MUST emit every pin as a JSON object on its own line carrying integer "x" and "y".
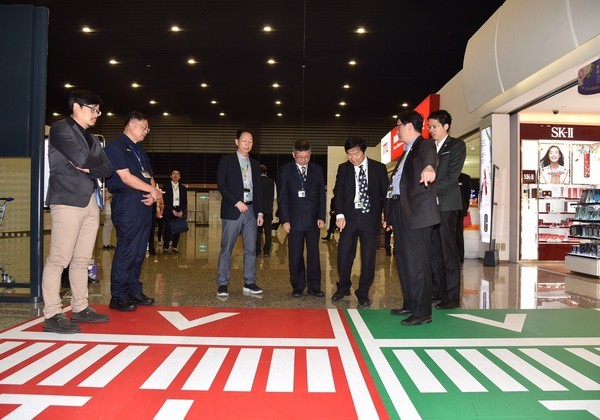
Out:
{"x": 169, "y": 236}
{"x": 445, "y": 262}
{"x": 363, "y": 228}
{"x": 460, "y": 236}
{"x": 332, "y": 226}
{"x": 265, "y": 230}
{"x": 413, "y": 253}
{"x": 302, "y": 274}
{"x": 151, "y": 247}
{"x": 131, "y": 219}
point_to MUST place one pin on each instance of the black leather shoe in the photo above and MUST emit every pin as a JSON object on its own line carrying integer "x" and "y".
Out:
{"x": 400, "y": 311}
{"x": 141, "y": 300}
{"x": 339, "y": 296}
{"x": 316, "y": 293}
{"x": 297, "y": 293}
{"x": 416, "y": 320}
{"x": 448, "y": 304}
{"x": 122, "y": 305}
{"x": 364, "y": 302}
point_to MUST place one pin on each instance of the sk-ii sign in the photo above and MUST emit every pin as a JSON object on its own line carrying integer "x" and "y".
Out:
{"x": 561, "y": 132}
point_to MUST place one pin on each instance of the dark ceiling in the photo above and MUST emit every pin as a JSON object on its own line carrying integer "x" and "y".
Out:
{"x": 411, "y": 48}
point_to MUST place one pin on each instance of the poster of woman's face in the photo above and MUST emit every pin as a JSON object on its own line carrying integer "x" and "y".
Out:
{"x": 554, "y": 163}
{"x": 586, "y": 163}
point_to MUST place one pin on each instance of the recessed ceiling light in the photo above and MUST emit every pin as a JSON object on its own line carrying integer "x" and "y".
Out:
{"x": 404, "y": 105}
{"x": 275, "y": 85}
{"x": 267, "y": 28}
{"x": 361, "y": 30}
{"x": 342, "y": 103}
{"x": 213, "y": 102}
{"x": 110, "y": 114}
{"x": 55, "y": 114}
{"x": 153, "y": 102}
{"x": 192, "y": 61}
{"x": 113, "y": 61}
{"x": 166, "y": 114}
{"x": 135, "y": 85}
{"x": 86, "y": 29}
{"x": 395, "y": 117}
{"x": 352, "y": 62}
{"x": 346, "y": 86}
{"x": 278, "y": 102}
{"x": 279, "y": 114}
{"x": 338, "y": 115}
{"x": 68, "y": 85}
{"x": 271, "y": 61}
{"x": 222, "y": 114}
{"x": 204, "y": 85}
{"x": 175, "y": 28}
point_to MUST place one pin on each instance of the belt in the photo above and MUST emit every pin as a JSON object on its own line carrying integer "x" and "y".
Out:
{"x": 127, "y": 190}
{"x": 248, "y": 203}
{"x": 396, "y": 197}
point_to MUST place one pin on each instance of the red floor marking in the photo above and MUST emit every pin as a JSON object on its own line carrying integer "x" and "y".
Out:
{"x": 123, "y": 396}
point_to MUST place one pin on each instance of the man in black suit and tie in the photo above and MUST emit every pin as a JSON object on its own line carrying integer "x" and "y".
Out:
{"x": 238, "y": 180}
{"x": 175, "y": 199}
{"x": 302, "y": 215}
{"x": 445, "y": 261}
{"x": 412, "y": 213}
{"x": 360, "y": 191}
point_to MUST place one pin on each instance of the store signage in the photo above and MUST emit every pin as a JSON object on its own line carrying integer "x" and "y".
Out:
{"x": 485, "y": 189}
{"x": 528, "y": 176}
{"x": 561, "y": 132}
{"x": 588, "y": 79}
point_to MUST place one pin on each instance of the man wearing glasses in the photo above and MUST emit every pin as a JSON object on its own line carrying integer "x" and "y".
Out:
{"x": 76, "y": 162}
{"x": 134, "y": 191}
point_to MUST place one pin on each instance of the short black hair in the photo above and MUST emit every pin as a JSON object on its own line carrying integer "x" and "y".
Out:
{"x": 301, "y": 145}
{"x": 354, "y": 141}
{"x": 135, "y": 115}
{"x": 442, "y": 116}
{"x": 263, "y": 169}
{"x": 243, "y": 130}
{"x": 83, "y": 97}
{"x": 412, "y": 117}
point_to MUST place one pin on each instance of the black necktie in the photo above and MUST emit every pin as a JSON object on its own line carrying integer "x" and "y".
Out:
{"x": 363, "y": 195}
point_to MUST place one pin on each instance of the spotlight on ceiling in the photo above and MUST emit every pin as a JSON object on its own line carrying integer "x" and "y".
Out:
{"x": 86, "y": 29}
{"x": 271, "y": 61}
{"x": 267, "y": 28}
{"x": 361, "y": 30}
{"x": 192, "y": 61}
{"x": 69, "y": 86}
{"x": 175, "y": 28}
{"x": 352, "y": 62}
{"x": 203, "y": 85}
{"x": 135, "y": 85}
{"x": 113, "y": 61}
{"x": 275, "y": 85}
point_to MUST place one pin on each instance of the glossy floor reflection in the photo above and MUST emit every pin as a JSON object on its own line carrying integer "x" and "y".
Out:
{"x": 189, "y": 279}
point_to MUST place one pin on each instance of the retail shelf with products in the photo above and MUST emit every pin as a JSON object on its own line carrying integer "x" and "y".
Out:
{"x": 585, "y": 256}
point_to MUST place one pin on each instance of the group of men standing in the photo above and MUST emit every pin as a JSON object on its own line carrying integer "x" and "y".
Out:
{"x": 420, "y": 203}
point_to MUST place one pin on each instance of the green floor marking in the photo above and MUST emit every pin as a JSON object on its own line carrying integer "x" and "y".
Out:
{"x": 531, "y": 364}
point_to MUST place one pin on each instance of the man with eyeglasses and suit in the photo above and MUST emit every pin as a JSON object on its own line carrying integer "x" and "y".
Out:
{"x": 76, "y": 162}
{"x": 134, "y": 191}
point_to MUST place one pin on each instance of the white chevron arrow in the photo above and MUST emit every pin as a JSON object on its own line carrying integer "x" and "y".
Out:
{"x": 182, "y": 323}
{"x": 512, "y": 322}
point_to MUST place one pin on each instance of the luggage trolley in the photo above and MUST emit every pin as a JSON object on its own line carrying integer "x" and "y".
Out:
{"x": 6, "y": 279}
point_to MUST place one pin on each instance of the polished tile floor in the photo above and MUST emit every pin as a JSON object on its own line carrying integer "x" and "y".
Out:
{"x": 189, "y": 279}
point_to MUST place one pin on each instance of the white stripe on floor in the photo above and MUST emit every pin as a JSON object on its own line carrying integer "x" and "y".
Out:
{"x": 420, "y": 374}
{"x": 281, "y": 372}
{"x": 74, "y": 368}
{"x": 114, "y": 367}
{"x": 491, "y": 371}
{"x": 457, "y": 374}
{"x": 162, "y": 377}
{"x": 205, "y": 372}
{"x": 318, "y": 371}
{"x": 244, "y": 370}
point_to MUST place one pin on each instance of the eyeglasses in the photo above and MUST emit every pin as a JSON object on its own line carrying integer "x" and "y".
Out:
{"x": 143, "y": 127}
{"x": 94, "y": 110}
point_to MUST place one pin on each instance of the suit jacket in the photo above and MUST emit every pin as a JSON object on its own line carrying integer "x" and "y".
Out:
{"x": 451, "y": 159}
{"x": 301, "y": 212}
{"x": 230, "y": 183}
{"x": 418, "y": 203}
{"x": 168, "y": 198}
{"x": 345, "y": 190}
{"x": 66, "y": 184}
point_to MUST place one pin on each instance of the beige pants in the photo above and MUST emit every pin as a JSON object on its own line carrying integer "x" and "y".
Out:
{"x": 72, "y": 241}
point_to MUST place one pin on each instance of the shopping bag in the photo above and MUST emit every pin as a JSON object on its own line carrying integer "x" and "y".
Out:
{"x": 179, "y": 226}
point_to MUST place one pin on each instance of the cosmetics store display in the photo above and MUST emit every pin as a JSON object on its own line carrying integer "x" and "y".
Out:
{"x": 584, "y": 256}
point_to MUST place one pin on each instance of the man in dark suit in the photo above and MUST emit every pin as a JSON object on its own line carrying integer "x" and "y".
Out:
{"x": 302, "y": 214}
{"x": 360, "y": 190}
{"x": 267, "y": 189}
{"x": 412, "y": 213}
{"x": 445, "y": 261}
{"x": 175, "y": 199}
{"x": 238, "y": 180}
{"x": 76, "y": 161}
{"x": 464, "y": 181}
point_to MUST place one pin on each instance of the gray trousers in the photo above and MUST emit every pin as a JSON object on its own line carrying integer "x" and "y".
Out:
{"x": 246, "y": 224}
